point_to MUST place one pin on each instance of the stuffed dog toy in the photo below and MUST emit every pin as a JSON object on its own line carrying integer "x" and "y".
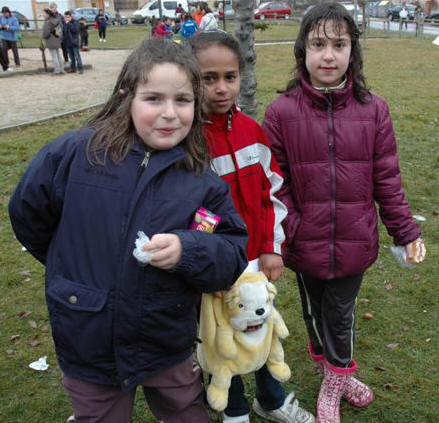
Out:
{"x": 239, "y": 334}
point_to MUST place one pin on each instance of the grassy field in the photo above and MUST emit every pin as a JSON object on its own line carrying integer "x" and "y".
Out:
{"x": 397, "y": 350}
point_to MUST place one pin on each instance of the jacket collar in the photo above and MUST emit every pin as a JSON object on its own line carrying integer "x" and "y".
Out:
{"x": 162, "y": 158}
{"x": 221, "y": 120}
{"x": 320, "y": 99}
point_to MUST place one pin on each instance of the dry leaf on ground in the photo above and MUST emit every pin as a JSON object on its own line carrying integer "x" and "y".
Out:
{"x": 393, "y": 345}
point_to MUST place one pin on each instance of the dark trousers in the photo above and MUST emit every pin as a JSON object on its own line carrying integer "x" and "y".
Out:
{"x": 3, "y": 61}
{"x": 84, "y": 40}
{"x": 65, "y": 53}
{"x": 269, "y": 393}
{"x": 329, "y": 308}
{"x": 6, "y": 45}
{"x": 75, "y": 58}
{"x": 102, "y": 32}
{"x": 175, "y": 395}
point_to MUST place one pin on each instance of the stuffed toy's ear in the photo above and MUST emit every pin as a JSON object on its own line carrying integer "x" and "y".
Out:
{"x": 272, "y": 291}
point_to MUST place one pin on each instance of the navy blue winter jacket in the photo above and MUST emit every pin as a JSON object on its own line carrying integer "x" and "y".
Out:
{"x": 71, "y": 33}
{"x": 113, "y": 321}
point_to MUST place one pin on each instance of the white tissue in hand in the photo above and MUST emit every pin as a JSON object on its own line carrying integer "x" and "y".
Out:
{"x": 401, "y": 256}
{"x": 141, "y": 256}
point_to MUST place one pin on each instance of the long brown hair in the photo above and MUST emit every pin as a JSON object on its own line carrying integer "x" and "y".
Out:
{"x": 316, "y": 19}
{"x": 114, "y": 129}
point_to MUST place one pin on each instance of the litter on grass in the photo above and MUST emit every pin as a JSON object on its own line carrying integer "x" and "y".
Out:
{"x": 40, "y": 365}
{"x": 419, "y": 218}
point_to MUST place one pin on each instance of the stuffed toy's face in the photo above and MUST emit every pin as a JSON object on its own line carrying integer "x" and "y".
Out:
{"x": 250, "y": 307}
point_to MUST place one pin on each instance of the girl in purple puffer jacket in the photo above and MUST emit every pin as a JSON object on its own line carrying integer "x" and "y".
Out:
{"x": 334, "y": 142}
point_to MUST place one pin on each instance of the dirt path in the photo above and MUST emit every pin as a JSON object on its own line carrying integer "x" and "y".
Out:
{"x": 26, "y": 98}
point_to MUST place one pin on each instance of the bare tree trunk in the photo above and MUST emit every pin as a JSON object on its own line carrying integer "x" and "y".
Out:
{"x": 245, "y": 34}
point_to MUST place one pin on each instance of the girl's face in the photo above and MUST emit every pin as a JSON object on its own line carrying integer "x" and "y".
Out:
{"x": 219, "y": 68}
{"x": 163, "y": 108}
{"x": 328, "y": 54}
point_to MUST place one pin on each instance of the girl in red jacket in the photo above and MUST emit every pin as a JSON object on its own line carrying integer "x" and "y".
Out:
{"x": 240, "y": 154}
{"x": 334, "y": 142}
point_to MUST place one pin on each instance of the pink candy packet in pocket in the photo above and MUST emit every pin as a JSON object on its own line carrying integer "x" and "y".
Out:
{"x": 205, "y": 220}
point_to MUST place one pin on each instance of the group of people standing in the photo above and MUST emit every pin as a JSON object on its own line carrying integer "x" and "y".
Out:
{"x": 65, "y": 33}
{"x": 169, "y": 140}
{"x": 201, "y": 19}
{"x": 61, "y": 33}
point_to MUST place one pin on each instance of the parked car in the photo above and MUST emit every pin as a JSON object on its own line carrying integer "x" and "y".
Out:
{"x": 351, "y": 9}
{"x": 89, "y": 14}
{"x": 394, "y": 12}
{"x": 22, "y": 20}
{"x": 151, "y": 8}
{"x": 273, "y": 10}
{"x": 434, "y": 16}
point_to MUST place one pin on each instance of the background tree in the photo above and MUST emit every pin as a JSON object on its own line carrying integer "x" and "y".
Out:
{"x": 245, "y": 34}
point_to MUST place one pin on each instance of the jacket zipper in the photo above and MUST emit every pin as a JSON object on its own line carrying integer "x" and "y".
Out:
{"x": 141, "y": 169}
{"x": 333, "y": 187}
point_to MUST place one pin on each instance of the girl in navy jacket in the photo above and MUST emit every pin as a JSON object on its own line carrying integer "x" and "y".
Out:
{"x": 140, "y": 165}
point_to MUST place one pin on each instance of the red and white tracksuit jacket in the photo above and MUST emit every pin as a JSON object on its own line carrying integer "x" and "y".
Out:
{"x": 241, "y": 155}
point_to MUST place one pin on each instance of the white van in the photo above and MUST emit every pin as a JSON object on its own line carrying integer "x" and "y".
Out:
{"x": 151, "y": 8}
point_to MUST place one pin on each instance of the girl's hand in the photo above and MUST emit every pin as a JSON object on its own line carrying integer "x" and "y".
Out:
{"x": 272, "y": 265}
{"x": 167, "y": 252}
{"x": 415, "y": 251}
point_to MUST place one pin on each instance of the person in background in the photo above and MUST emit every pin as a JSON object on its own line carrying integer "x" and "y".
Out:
{"x": 83, "y": 34}
{"x": 52, "y": 37}
{"x": 71, "y": 38}
{"x": 188, "y": 27}
{"x": 198, "y": 14}
{"x": 54, "y": 8}
{"x": 208, "y": 21}
{"x": 118, "y": 18}
{"x": 403, "y": 17}
{"x": 179, "y": 11}
{"x": 162, "y": 30}
{"x": 101, "y": 20}
{"x": 9, "y": 28}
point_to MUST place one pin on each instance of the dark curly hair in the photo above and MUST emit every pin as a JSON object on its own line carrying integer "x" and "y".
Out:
{"x": 114, "y": 128}
{"x": 315, "y": 19}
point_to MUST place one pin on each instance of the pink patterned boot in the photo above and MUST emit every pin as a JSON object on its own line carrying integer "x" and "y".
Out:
{"x": 331, "y": 391}
{"x": 356, "y": 393}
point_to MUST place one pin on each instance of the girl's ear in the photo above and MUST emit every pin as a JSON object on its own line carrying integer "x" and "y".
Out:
{"x": 122, "y": 92}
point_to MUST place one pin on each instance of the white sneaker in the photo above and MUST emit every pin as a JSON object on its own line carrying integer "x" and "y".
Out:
{"x": 71, "y": 419}
{"x": 105, "y": 40}
{"x": 238, "y": 419}
{"x": 100, "y": 40}
{"x": 290, "y": 412}
{"x": 9, "y": 69}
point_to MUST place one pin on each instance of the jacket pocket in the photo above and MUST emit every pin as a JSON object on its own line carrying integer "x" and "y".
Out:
{"x": 171, "y": 323}
{"x": 81, "y": 323}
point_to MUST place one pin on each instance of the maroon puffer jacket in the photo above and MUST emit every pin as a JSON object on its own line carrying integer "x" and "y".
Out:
{"x": 338, "y": 158}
